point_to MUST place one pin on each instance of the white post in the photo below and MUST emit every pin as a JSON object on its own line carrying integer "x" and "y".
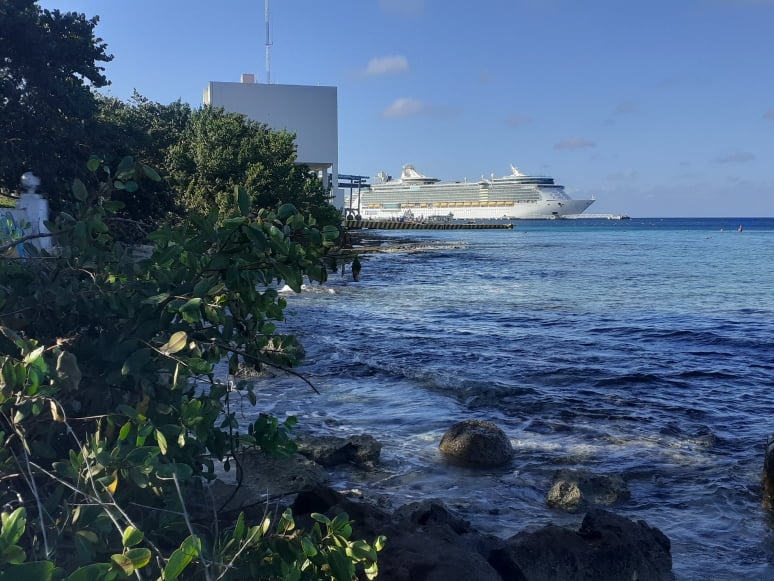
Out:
{"x": 35, "y": 207}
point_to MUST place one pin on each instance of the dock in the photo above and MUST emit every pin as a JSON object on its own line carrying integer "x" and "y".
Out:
{"x": 415, "y": 225}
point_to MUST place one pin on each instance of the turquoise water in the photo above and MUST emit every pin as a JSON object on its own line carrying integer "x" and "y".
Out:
{"x": 643, "y": 348}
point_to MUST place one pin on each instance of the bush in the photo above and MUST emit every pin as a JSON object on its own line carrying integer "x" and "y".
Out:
{"x": 112, "y": 413}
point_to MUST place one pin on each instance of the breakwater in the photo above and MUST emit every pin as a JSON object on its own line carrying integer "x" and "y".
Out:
{"x": 396, "y": 225}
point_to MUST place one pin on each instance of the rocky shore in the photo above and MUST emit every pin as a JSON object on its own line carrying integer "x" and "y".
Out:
{"x": 428, "y": 541}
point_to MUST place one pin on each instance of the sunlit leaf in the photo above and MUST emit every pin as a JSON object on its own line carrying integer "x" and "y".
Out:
{"x": 177, "y": 342}
{"x": 132, "y": 536}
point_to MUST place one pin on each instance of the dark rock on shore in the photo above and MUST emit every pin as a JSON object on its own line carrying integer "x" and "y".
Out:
{"x": 606, "y": 547}
{"x": 476, "y": 443}
{"x": 575, "y": 490}
{"x": 425, "y": 541}
{"x": 362, "y": 450}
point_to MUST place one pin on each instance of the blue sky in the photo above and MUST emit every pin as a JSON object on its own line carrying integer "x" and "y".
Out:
{"x": 658, "y": 108}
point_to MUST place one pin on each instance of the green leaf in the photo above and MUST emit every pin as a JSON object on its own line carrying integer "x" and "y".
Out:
{"x": 126, "y": 165}
{"x": 310, "y": 549}
{"x": 79, "y": 190}
{"x": 320, "y": 518}
{"x": 243, "y": 200}
{"x": 126, "y": 429}
{"x": 13, "y": 554}
{"x": 151, "y": 173}
{"x": 90, "y": 572}
{"x": 34, "y": 355}
{"x": 362, "y": 551}
{"x": 13, "y": 526}
{"x": 132, "y": 536}
{"x": 93, "y": 163}
{"x": 139, "y": 557}
{"x": 177, "y": 342}
{"x": 181, "y": 558}
{"x": 191, "y": 310}
{"x": 286, "y": 211}
{"x": 341, "y": 566}
{"x": 32, "y": 571}
{"x": 239, "y": 528}
{"x": 123, "y": 563}
{"x": 380, "y": 542}
{"x": 162, "y": 442}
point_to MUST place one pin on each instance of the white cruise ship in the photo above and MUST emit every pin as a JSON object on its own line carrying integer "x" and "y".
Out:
{"x": 512, "y": 197}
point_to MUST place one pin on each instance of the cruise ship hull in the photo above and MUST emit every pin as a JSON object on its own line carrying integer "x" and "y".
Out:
{"x": 513, "y": 197}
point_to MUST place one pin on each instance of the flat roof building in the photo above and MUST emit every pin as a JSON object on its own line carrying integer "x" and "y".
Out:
{"x": 309, "y": 112}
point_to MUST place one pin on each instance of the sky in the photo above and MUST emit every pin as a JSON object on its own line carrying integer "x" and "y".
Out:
{"x": 658, "y": 108}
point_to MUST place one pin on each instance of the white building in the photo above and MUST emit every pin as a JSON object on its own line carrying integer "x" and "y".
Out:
{"x": 309, "y": 112}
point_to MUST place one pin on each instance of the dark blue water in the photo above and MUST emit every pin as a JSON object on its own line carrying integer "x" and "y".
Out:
{"x": 642, "y": 348}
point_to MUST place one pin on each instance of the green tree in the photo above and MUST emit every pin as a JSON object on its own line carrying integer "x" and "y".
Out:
{"x": 219, "y": 150}
{"x": 49, "y": 62}
{"x": 146, "y": 130}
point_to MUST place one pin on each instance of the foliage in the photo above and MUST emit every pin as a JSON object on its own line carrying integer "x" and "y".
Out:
{"x": 112, "y": 412}
{"x": 220, "y": 150}
{"x": 146, "y": 130}
{"x": 48, "y": 61}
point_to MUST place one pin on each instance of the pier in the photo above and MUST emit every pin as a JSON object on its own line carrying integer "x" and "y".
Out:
{"x": 415, "y": 225}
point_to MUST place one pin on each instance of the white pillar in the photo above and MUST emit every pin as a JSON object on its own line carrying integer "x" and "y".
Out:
{"x": 35, "y": 207}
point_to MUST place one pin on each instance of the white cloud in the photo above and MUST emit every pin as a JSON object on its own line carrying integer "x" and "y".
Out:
{"x": 574, "y": 143}
{"x": 387, "y": 64}
{"x": 738, "y": 157}
{"x": 404, "y": 107}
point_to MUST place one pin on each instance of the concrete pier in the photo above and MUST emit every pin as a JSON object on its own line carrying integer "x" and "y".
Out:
{"x": 411, "y": 225}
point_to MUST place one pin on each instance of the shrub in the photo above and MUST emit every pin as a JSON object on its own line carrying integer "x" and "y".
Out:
{"x": 113, "y": 410}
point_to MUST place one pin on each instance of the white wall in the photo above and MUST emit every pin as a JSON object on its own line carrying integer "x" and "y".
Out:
{"x": 309, "y": 112}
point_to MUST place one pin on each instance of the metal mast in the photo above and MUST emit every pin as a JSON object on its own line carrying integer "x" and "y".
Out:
{"x": 268, "y": 47}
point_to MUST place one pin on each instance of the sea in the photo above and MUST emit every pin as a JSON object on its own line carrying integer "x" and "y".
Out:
{"x": 641, "y": 348}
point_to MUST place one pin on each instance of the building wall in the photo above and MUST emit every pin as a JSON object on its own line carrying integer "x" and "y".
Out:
{"x": 309, "y": 112}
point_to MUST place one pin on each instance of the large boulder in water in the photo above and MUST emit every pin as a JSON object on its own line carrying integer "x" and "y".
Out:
{"x": 575, "y": 490}
{"x": 476, "y": 443}
{"x": 606, "y": 547}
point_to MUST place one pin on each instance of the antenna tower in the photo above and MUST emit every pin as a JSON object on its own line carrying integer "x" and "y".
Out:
{"x": 268, "y": 47}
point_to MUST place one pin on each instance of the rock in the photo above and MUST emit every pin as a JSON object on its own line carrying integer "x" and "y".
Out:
{"x": 424, "y": 540}
{"x": 768, "y": 474}
{"x": 575, "y": 490}
{"x": 362, "y": 450}
{"x": 607, "y": 547}
{"x": 476, "y": 443}
{"x": 264, "y": 477}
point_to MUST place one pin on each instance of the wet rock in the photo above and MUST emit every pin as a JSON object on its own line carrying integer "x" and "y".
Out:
{"x": 424, "y": 540}
{"x": 476, "y": 443}
{"x": 575, "y": 490}
{"x": 607, "y": 547}
{"x": 768, "y": 474}
{"x": 258, "y": 477}
{"x": 362, "y": 450}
